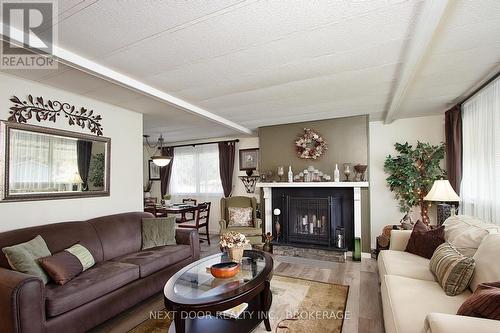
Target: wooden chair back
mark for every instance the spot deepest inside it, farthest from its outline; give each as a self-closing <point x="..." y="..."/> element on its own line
<point x="203" y="214"/>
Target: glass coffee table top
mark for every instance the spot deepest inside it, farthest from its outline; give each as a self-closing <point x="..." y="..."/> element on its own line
<point x="198" y="283"/>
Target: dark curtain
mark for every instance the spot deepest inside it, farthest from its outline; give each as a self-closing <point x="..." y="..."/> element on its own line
<point x="84" y="154"/>
<point x="226" y="165"/>
<point x="166" y="171"/>
<point x="453" y="134"/>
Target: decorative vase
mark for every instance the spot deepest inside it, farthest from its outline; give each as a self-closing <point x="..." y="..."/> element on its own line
<point x="267" y="247"/>
<point x="236" y="253"/>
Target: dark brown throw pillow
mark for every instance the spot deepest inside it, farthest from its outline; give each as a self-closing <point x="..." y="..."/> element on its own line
<point x="423" y="240"/>
<point x="65" y="265"/>
<point x="483" y="303"/>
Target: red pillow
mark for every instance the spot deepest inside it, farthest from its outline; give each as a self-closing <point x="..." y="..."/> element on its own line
<point x="423" y="240"/>
<point x="483" y="303"/>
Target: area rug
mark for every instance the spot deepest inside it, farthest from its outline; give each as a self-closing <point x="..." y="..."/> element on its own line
<point x="298" y="306"/>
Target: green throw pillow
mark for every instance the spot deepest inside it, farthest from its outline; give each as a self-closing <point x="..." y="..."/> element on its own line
<point x="158" y="232"/>
<point x="24" y="257"/>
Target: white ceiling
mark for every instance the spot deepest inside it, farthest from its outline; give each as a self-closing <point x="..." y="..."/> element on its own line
<point x="259" y="63"/>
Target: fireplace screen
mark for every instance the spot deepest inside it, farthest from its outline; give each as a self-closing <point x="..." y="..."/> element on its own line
<point x="309" y="220"/>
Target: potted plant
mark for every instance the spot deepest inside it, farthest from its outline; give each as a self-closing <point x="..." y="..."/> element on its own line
<point x="412" y="173"/>
<point x="234" y="243"/>
<point x="167" y="199"/>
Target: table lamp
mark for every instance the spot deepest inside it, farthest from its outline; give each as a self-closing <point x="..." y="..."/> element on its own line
<point x="442" y="192"/>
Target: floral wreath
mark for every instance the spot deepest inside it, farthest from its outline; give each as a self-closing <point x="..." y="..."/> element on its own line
<point x="310" y="145"/>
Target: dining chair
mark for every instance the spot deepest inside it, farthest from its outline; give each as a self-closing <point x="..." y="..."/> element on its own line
<point x="153" y="210"/>
<point x="201" y="221"/>
<point x="187" y="216"/>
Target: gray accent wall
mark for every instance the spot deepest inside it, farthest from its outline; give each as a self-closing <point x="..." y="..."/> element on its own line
<point x="347" y="140"/>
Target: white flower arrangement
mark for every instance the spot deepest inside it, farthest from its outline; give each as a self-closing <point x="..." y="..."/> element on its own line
<point x="310" y="145"/>
<point x="233" y="239"/>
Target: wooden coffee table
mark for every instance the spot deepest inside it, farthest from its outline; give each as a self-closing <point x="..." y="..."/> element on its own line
<point x="197" y="298"/>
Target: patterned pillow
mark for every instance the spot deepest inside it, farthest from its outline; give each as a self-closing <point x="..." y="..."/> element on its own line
<point x="65" y="265"/>
<point x="240" y="217"/>
<point x="452" y="269"/>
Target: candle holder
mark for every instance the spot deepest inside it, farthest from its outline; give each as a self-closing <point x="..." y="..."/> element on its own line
<point x="347" y="171"/>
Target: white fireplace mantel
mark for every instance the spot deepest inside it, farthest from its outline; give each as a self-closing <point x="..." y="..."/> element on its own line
<point x="268" y="198"/>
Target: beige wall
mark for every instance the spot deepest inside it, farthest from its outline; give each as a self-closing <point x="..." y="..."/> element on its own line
<point x="384" y="208"/>
<point x="124" y="127"/>
<point x="238" y="188"/>
<point x="347" y="140"/>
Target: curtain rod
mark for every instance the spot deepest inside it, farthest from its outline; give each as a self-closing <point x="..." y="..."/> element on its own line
<point x="201" y="143"/>
<point x="493" y="78"/>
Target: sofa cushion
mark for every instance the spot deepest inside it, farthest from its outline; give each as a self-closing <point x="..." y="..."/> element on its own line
<point x="404" y="264"/>
<point x="158" y="232"/>
<point x="58" y="236"/>
<point x="247" y="231"/>
<point x="240" y="217"/>
<point x="97" y="281"/>
<point x="406" y="302"/>
<point x="65" y="265"/>
<point x="423" y="241"/>
<point x="24" y="257"/>
<point x="120" y="234"/>
<point x="452" y="269"/>
<point x="466" y="232"/>
<point x="155" y="259"/>
<point x="484" y="302"/>
<point x="487" y="262"/>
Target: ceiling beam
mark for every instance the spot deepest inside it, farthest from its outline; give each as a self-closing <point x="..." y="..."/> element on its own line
<point x="427" y="24"/>
<point x="91" y="67"/>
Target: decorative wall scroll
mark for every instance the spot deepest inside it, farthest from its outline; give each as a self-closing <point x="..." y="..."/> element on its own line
<point x="310" y="145"/>
<point x="49" y="110"/>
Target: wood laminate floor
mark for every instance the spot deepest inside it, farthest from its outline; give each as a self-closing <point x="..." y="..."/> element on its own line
<point x="364" y="306"/>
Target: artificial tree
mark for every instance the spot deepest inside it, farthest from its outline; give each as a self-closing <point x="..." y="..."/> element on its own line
<point x="412" y="173"/>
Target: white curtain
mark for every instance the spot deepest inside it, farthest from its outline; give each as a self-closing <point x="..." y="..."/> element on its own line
<point x="41" y="163"/>
<point x="480" y="188"/>
<point x="195" y="171"/>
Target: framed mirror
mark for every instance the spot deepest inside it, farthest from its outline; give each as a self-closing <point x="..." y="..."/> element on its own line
<point x="42" y="163"/>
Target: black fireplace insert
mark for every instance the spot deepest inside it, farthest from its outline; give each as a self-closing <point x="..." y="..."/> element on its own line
<point x="314" y="218"/>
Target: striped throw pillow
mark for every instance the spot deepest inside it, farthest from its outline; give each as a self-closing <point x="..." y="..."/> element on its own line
<point x="452" y="269"/>
<point x="484" y="302"/>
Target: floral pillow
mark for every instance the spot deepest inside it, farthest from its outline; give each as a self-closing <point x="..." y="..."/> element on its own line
<point x="240" y="217"/>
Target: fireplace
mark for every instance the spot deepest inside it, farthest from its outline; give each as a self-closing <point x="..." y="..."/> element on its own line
<point x="315" y="217"/>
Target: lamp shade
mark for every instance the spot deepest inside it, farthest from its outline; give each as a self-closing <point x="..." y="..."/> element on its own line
<point x="76" y="179"/>
<point x="442" y="191"/>
<point x="161" y="161"/>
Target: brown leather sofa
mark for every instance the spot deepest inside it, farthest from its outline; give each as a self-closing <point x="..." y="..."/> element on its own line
<point x="123" y="275"/>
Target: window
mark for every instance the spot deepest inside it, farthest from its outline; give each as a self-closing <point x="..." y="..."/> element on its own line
<point x="195" y="170"/>
<point x="480" y="189"/>
<point x="41" y="163"/>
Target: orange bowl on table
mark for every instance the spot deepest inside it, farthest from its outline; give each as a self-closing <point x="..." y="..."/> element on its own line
<point x="225" y="270"/>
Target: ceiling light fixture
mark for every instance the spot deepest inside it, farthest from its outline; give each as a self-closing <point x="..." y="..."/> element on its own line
<point x="159" y="160"/>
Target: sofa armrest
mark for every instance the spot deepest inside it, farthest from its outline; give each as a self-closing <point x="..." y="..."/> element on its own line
<point x="446" y="323"/>
<point x="189" y="237"/>
<point x="399" y="239"/>
<point x="22" y="304"/>
<point x="222" y="224"/>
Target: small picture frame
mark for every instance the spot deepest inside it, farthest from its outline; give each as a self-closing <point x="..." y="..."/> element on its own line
<point x="249" y="159"/>
<point x="154" y="171"/>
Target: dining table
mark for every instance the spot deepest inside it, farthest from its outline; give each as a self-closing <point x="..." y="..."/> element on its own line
<point x="178" y="209"/>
